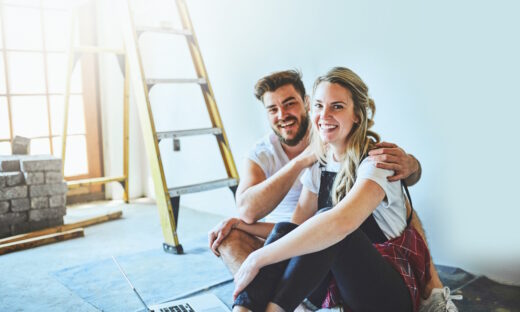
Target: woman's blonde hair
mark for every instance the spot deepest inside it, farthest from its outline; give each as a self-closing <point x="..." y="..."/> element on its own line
<point x="360" y="139"/>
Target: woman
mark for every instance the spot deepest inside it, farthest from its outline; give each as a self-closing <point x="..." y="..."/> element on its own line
<point x="363" y="240"/>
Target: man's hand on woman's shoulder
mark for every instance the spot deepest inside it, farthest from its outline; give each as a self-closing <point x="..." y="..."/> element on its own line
<point x="306" y="158"/>
<point x="392" y="157"/>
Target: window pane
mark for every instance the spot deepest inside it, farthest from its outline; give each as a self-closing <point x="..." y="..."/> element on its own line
<point x="40" y="147"/>
<point x="22" y="28"/>
<point x="76" y="162"/>
<point x="76" y="121"/>
<point x="58" y="4"/>
<point x="57" y="63"/>
<point x="56" y="143"/>
<point x="2" y="75"/>
<point x="4" y="119"/>
<point x="1" y="41"/>
<point x="23" y="2"/>
<point x="56" y="29"/>
<point x="29" y="116"/>
<point x="5" y="148"/>
<point x="156" y="13"/>
<point x="26" y="72"/>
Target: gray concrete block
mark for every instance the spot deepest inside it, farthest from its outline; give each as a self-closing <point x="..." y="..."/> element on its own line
<point x="4" y="207"/>
<point x="53" y="177"/>
<point x="46" y="214"/>
<point x="13" y="192"/>
<point x="58" y="200"/>
<point x="44" y="224"/>
<point x="20" y="228"/>
<point x="3" y="179"/>
<point x="48" y="189"/>
<point x="5" y="231"/>
<point x="32" y="178"/>
<point x="20" y="145"/>
<point x="38" y="225"/>
<point x="9" y="163"/>
<point x="55" y="222"/>
<point x="13" y="178"/>
<point x="7" y="219"/>
<point x="20" y="204"/>
<point x="39" y="202"/>
<point x="41" y="163"/>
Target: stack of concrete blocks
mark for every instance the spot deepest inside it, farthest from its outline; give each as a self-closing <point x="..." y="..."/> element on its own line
<point x="32" y="193"/>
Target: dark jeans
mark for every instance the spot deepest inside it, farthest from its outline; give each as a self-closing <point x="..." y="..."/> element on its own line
<point x="366" y="281"/>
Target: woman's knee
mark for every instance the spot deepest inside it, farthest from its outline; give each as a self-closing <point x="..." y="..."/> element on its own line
<point x="279" y="230"/>
<point x="284" y="227"/>
<point x="323" y="210"/>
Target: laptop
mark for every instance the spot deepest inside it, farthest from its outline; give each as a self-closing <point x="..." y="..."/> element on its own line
<point x="200" y="303"/>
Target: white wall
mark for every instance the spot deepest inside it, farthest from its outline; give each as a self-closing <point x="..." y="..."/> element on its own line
<point x="443" y="75"/>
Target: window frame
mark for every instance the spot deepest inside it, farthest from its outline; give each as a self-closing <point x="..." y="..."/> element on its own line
<point x="89" y="77"/>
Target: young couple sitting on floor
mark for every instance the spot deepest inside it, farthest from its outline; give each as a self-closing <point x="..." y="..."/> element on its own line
<point x="352" y="239"/>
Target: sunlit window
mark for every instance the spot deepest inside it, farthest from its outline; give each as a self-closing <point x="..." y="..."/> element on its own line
<point x="33" y="42"/>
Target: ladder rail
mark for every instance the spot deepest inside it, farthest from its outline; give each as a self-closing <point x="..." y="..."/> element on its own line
<point x="207" y="90"/>
<point x="168" y="222"/>
<point x="168" y="199"/>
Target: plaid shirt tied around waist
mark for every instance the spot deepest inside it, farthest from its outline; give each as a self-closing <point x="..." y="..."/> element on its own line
<point x="409" y="255"/>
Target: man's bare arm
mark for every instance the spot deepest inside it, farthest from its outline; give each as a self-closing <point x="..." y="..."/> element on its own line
<point x="259" y="229"/>
<point x="306" y="208"/>
<point x="217" y="235"/>
<point x="257" y="196"/>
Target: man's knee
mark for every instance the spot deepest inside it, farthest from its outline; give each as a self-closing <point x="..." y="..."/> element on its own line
<point x="234" y="237"/>
<point x="237" y="239"/>
<point x="236" y="247"/>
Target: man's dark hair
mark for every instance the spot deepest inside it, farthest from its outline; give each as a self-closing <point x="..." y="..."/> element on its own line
<point x="276" y="80"/>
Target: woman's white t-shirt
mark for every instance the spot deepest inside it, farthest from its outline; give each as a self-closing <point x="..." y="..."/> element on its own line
<point x="390" y="214"/>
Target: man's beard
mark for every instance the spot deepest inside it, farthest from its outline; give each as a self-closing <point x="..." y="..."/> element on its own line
<point x="302" y="130"/>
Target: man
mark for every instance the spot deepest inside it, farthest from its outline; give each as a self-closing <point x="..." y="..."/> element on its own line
<point x="270" y="186"/>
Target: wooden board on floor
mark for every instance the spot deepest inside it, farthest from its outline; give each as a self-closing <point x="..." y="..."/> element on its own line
<point x="41" y="240"/>
<point x="63" y="228"/>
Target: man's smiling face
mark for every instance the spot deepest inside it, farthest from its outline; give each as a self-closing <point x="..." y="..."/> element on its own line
<point x="287" y="114"/>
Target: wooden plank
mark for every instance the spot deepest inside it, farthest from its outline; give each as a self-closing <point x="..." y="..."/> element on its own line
<point x="63" y="228"/>
<point x="93" y="181"/>
<point x="40" y="241"/>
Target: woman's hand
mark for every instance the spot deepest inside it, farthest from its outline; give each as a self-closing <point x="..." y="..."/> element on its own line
<point x="247" y="272"/>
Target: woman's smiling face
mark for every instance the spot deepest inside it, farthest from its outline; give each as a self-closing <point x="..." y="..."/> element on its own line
<point x="333" y="114"/>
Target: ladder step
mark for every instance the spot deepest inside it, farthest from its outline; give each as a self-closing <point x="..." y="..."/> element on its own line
<point x="190" y="132"/>
<point x="193" y="188"/>
<point x="166" y="30"/>
<point x="95" y="49"/>
<point x="200" y="81"/>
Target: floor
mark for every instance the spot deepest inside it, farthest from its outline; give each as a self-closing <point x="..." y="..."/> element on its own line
<point x="25" y="275"/>
<point x="26" y="280"/>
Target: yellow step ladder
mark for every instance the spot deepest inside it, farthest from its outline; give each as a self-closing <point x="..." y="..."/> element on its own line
<point x="168" y="198"/>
